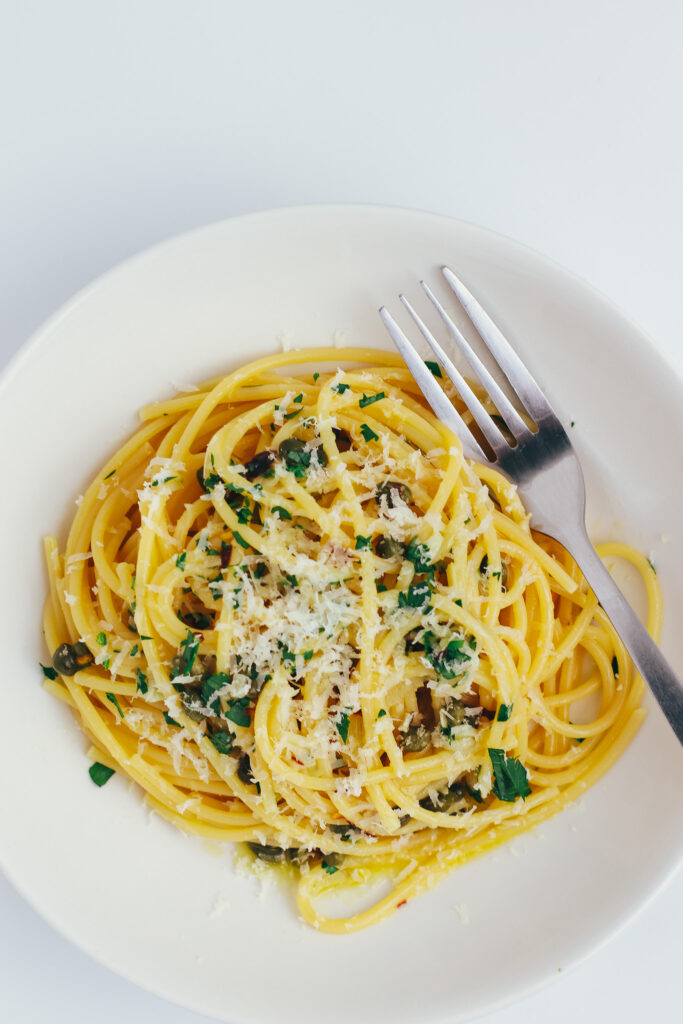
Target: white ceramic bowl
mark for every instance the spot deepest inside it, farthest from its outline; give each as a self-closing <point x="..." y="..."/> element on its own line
<point x="140" y="896"/>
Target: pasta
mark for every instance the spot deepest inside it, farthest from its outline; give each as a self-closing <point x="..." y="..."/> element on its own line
<point x="296" y="616"/>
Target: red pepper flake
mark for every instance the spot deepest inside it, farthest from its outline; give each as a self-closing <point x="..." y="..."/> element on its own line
<point x="401" y="904"/>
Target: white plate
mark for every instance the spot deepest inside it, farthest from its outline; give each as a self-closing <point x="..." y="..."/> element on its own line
<point x="137" y="894"/>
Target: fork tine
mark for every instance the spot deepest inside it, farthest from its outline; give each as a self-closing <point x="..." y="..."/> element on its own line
<point x="512" y="366"/>
<point x="436" y="397"/>
<point x="482" y="418"/>
<point x="514" y="421"/>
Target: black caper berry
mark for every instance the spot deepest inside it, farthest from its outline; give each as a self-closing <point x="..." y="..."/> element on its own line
<point x="260" y="464"/>
<point x="320" y="455"/>
<point x="416" y="738"/>
<point x="344" y="829"/>
<point x="393" y="489"/>
<point x="342" y="438"/>
<point x="71" y="658"/>
<point x="387" y="547"/>
<point x="411" y="641"/>
<point x="244" y="772"/>
<point x="272" y="854"/>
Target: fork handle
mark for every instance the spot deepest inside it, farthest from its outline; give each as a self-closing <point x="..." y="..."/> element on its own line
<point x="648" y="659"/>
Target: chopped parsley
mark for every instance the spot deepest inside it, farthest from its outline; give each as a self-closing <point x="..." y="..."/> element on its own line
<point x="240" y="539"/>
<point x="308" y="655"/>
<point x="368" y="433"/>
<point x="299" y="398"/>
<point x="48" y="671"/>
<point x="315" y="377"/>
<point x="211" y="481"/>
<point x="370" y="399"/>
<point x="282" y="512"/>
<point x="446" y="661"/>
<point x="222" y="741"/>
<point x="237" y="712"/>
<point x="343" y="726"/>
<point x="419" y="555"/>
<point x="381" y="713"/>
<point x="133" y="650"/>
<point x="510" y="777"/>
<point x="504" y="712"/>
<point x="101" y="639"/>
<point x="340" y="388"/>
<point x="381" y="587"/>
<point x="180" y="560"/>
<point x="650" y="563"/>
<point x="615" y="666"/>
<point x="434" y="367"/>
<point x="106" y="663"/>
<point x="110" y="474"/>
<point x="99" y="773"/>
<point x="171" y="721"/>
<point x="111" y="697"/>
<point x="142" y="686"/>
<point x="362" y="542"/>
<point x="260" y="570"/>
<point x="329" y="868"/>
<point x="416" y="596"/>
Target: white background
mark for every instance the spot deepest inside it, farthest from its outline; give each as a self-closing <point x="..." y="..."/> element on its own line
<point x="557" y="122"/>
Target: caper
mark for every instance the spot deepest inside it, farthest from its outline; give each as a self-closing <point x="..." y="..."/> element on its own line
<point x="260" y="464"/>
<point x="320" y="455"/>
<point x="290" y="446"/>
<point x="447" y="801"/>
<point x="71" y="658"/>
<point x="333" y="860"/>
<point x="244" y="772"/>
<point x="393" y="490"/>
<point x="301" y="856"/>
<point x="342" y="439"/>
<point x="387" y="547"/>
<point x="344" y="829"/>
<point x="271" y="854"/>
<point x="415" y="738"/>
<point x="192" y="706"/>
<point x="452" y="713"/>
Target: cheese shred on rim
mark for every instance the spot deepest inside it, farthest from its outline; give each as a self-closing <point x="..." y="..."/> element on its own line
<point x="296" y="616"/>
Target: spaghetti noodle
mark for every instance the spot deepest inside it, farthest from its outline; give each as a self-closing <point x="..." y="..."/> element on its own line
<point x="294" y="614"/>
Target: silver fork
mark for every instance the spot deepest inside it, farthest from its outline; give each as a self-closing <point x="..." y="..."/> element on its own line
<point x="541" y="462"/>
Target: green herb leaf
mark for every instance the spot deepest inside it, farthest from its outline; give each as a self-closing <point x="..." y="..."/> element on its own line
<point x="447" y="660"/>
<point x="419" y="555"/>
<point x="329" y="868"/>
<point x="510" y="776"/>
<point x="48" y="671"/>
<point x="368" y="433"/>
<point x="362" y="542"/>
<point x="240" y="539"/>
<point x="343" y="726"/>
<point x="260" y="570"/>
<point x="211" y="481"/>
<point x="308" y="655"/>
<point x="651" y="564"/>
<point x="237" y="712"/>
<point x="222" y="741"/>
<point x="381" y="587"/>
<point x="180" y="560"/>
<point x="106" y="663"/>
<point x="282" y="512"/>
<point x="134" y="650"/>
<point x="315" y="377"/>
<point x="434" y="367"/>
<point x="416" y="596"/>
<point x="101" y="639"/>
<point x="111" y="697"/>
<point x="504" y="712"/>
<point x="188" y="650"/>
<point x="99" y="773"/>
<point x="299" y="398"/>
<point x="340" y="388"/>
<point x="110" y="474"/>
<point x="171" y="721"/>
<point x="370" y="399"/>
<point x="381" y="713"/>
<point x="142" y="686"/>
<point x="615" y="666"/>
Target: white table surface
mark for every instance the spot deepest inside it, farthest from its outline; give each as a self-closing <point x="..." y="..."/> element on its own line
<point x="558" y="123"/>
